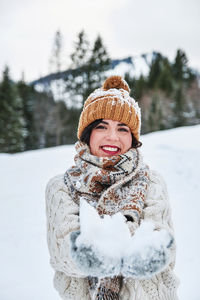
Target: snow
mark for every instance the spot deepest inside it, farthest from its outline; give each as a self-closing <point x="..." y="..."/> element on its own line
<point x="139" y="256"/>
<point x="145" y="235"/>
<point x="107" y="241"/>
<point x="102" y="233"/>
<point x="139" y="66"/>
<point x="121" y="69"/>
<point x="25" y="269"/>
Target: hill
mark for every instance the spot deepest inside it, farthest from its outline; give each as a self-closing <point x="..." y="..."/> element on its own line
<point x="24" y="260"/>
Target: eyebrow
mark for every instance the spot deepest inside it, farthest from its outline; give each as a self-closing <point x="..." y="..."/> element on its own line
<point x="120" y="124"/>
<point x="104" y="122"/>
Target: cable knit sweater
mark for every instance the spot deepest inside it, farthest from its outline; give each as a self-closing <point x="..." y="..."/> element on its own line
<point x="63" y="218"/>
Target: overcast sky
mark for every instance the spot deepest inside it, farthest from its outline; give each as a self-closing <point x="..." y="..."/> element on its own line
<point x="128" y="27"/>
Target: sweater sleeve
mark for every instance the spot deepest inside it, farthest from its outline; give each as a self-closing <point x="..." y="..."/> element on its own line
<point x="62" y="218"/>
<point x="157" y="207"/>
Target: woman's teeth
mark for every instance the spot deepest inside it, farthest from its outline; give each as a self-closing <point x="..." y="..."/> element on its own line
<point x="112" y="149"/>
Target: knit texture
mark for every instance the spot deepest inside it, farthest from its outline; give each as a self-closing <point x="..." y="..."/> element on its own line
<point x="124" y="178"/>
<point x="62" y="219"/>
<point x="100" y="178"/>
<point x="111" y="101"/>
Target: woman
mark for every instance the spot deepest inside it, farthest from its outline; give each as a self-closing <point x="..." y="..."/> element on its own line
<point x="110" y="175"/>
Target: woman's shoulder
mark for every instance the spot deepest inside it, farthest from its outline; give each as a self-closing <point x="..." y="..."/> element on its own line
<point x="157" y="184"/>
<point x="57" y="195"/>
<point x="55" y="184"/>
<point x="156" y="177"/>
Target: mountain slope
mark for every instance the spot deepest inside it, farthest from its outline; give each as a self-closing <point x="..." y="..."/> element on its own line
<point x="24" y="260"/>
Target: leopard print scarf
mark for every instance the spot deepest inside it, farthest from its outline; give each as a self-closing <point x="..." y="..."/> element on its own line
<point x="110" y="184"/>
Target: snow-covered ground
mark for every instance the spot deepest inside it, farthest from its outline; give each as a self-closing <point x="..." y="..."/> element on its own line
<point x="24" y="261"/>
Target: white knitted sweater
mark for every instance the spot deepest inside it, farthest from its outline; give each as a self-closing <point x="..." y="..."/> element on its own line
<point x="63" y="218"/>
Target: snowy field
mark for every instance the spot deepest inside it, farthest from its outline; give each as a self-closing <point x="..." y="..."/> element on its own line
<point x="24" y="260"/>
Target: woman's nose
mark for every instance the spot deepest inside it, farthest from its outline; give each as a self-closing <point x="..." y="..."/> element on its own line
<point x="113" y="135"/>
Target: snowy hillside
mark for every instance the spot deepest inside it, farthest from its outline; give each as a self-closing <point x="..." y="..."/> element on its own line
<point x="25" y="270"/>
<point x="135" y="66"/>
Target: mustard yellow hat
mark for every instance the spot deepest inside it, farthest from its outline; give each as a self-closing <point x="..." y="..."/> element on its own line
<point x="112" y="101"/>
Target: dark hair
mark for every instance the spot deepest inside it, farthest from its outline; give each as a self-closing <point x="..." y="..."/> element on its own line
<point x="85" y="136"/>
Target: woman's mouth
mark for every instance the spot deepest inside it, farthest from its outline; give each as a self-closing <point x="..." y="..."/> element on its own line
<point x="110" y="150"/>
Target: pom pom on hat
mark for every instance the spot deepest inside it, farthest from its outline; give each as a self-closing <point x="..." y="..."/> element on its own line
<point x="115" y="82"/>
<point x="113" y="102"/>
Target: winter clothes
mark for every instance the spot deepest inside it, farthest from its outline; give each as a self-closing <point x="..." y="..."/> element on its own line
<point x="96" y="174"/>
<point x="111" y="101"/>
<point x="123" y="183"/>
<point x="124" y="177"/>
<point x="92" y="262"/>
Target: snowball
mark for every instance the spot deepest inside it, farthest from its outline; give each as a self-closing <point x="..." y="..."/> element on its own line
<point x="111" y="235"/>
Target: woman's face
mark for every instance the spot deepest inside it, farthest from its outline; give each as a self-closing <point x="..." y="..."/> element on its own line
<point x="110" y="138"/>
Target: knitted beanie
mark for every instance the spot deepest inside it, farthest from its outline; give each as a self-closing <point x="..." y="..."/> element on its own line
<point x="112" y="101"/>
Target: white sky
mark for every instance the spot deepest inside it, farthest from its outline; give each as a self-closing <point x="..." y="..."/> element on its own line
<point x="128" y="27"/>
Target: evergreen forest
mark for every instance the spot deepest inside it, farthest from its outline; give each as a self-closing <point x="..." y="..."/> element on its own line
<point x="33" y="118"/>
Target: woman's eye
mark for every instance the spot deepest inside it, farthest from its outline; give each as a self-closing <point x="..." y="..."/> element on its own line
<point x="123" y="129"/>
<point x="100" y="127"/>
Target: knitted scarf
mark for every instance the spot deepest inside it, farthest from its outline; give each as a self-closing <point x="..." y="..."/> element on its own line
<point x="110" y="184"/>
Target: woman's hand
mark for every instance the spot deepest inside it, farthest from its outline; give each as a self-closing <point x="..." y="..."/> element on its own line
<point x="104" y="246"/>
<point x="91" y="262"/>
<point x="142" y="263"/>
<point x="139" y="266"/>
<point x="150" y="255"/>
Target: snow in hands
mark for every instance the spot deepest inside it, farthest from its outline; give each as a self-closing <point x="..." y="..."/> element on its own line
<point x="104" y="246"/>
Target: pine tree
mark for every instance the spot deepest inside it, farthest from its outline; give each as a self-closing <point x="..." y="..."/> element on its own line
<point x="155" y="119"/>
<point x="28" y="95"/>
<point x="56" y="56"/>
<point x="140" y="87"/>
<point x="44" y="105"/>
<point x="89" y="66"/>
<point x="155" y="70"/>
<point x="180" y="65"/>
<point x="11" y="117"/>
<point x="77" y="82"/>
<point x="183" y="76"/>
<point x="179" y="107"/>
<point x="160" y="74"/>
<point x="165" y="78"/>
<point x="98" y="64"/>
<point x="181" y="71"/>
<point x="80" y="55"/>
<point x="56" y="65"/>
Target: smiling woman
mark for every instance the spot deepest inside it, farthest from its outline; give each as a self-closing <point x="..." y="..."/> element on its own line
<point x="85" y="136"/>
<point x="110" y="138"/>
<point x="109" y="174"/>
